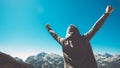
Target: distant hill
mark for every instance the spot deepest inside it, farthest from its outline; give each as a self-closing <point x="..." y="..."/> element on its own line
<point x="6" y="61"/>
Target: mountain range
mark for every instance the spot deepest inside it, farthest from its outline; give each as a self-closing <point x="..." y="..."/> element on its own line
<point x="46" y="60"/>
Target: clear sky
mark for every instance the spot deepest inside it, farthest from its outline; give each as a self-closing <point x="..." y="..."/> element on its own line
<point x="22" y="25"/>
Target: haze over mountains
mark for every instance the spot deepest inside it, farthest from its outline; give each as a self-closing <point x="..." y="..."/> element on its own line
<point x="45" y="60"/>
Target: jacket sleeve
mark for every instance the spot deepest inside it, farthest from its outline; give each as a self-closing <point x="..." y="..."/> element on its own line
<point x="55" y="36"/>
<point x="96" y="26"/>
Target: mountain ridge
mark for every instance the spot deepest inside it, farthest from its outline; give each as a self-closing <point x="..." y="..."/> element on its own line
<point x="50" y="60"/>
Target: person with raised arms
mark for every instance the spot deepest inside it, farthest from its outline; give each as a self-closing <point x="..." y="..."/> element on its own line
<point x="76" y="48"/>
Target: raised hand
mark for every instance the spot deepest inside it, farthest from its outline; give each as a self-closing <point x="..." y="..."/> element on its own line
<point x="47" y="26"/>
<point x="109" y="9"/>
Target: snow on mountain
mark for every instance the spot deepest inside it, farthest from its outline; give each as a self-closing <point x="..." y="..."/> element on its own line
<point x="107" y="60"/>
<point x="44" y="60"/>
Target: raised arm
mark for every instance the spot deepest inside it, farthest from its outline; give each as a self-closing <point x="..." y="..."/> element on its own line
<point x="54" y="35"/>
<point x="98" y="23"/>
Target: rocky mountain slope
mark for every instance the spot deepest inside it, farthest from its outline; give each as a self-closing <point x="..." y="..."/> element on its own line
<point x="6" y="61"/>
<point x="44" y="60"/>
<point x="108" y="61"/>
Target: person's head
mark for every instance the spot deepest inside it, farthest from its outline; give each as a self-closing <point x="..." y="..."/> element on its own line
<point x="72" y="31"/>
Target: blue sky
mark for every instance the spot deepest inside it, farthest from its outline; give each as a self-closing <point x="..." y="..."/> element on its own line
<point x="22" y="25"/>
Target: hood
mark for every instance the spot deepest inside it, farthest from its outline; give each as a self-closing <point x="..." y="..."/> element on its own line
<point x="72" y="32"/>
